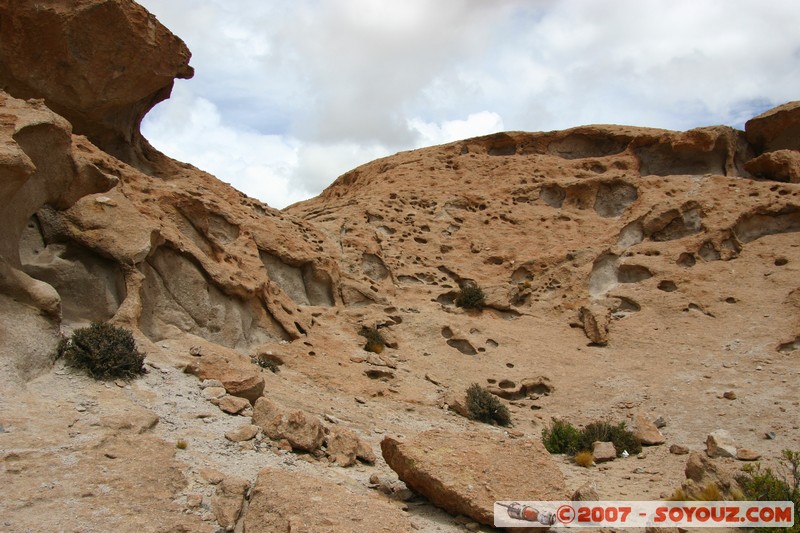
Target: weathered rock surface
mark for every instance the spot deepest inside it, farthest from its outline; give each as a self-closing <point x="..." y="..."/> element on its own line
<point x="237" y="374"/>
<point x="303" y="431"/>
<point x="344" y="446"/>
<point x="281" y="501"/>
<point x="465" y="473"/>
<point x="701" y="471"/>
<point x="228" y="501"/>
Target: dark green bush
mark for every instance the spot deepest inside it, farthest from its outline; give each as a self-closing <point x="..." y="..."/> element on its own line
<point x="561" y="437"/>
<point x="375" y="341"/>
<point x="484" y="406"/>
<point x="104" y="351"/>
<point x="470" y="297"/>
<point x="605" y="431"/>
<point x="762" y="484"/>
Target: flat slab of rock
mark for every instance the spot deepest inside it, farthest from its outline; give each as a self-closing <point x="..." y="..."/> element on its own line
<point x="284" y="500"/>
<point x="465" y="473"/>
<point x="246" y="432"/>
<point x="746" y="454"/>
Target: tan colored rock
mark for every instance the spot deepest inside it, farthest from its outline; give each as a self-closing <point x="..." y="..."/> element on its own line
<point x="236" y="373"/>
<point x="302" y="430"/>
<point x="214" y="393"/>
<point x="775" y="129"/>
<point x="293" y="501"/>
<point x="243" y="433"/>
<point x="780" y="165"/>
<point x="136" y="419"/>
<point x="646" y="432"/>
<point x="465" y="473"/>
<point x="719" y="443"/>
<point x="595" y="320"/>
<point x="345" y="446"/>
<point x="228" y="501"/>
<point x="232" y="405"/>
<point x="700" y="471"/>
<point x="746" y="454"/>
<point x="586" y="493"/>
<point x="603" y="451"/>
<point x="678" y="449"/>
<point x="94" y="82"/>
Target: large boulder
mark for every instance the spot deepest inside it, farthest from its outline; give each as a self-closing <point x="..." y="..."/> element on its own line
<point x="102" y="64"/>
<point x="465" y="473"/>
<point x="284" y="500"/>
<point x="775" y="129"/>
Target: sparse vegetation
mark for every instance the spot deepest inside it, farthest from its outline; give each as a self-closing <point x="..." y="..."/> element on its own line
<point x="484" y="406"/>
<point x="104" y="351"/>
<point x="584" y="459"/>
<point x="563" y="437"/>
<point x="375" y="341"/>
<point x="470" y="297"/>
<point x="763" y="484"/>
<point x="182" y="444"/>
<point x="622" y="439"/>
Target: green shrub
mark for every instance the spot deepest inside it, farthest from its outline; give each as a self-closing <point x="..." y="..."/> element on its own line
<point x="484" y="406"/>
<point x="762" y="484"/>
<point x="265" y="362"/>
<point x="470" y="297"/>
<point x="622" y="439"/>
<point x="375" y="341"/>
<point x="561" y="437"/>
<point x="104" y="351"/>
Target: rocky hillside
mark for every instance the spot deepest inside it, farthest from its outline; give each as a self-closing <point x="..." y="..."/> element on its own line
<point x="630" y="274"/>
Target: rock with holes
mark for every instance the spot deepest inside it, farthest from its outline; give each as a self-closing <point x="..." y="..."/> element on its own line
<point x="285" y="500"/>
<point x="595" y="320"/>
<point x="465" y="473"/>
<point x="303" y="431"/>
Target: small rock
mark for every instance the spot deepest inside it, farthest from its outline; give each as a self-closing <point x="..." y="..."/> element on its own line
<point x="659" y="422"/>
<point x="603" y="451"/>
<point x="360" y="400"/>
<point x="746" y="454"/>
<point x="720" y="444"/>
<point x="214" y="393"/>
<point x="646" y="431"/>
<point x="678" y="449"/>
<point x="233" y="404"/>
<point x="80" y="408"/>
<point x="586" y="493"/>
<point x="375" y="479"/>
<point x="243" y="433"/>
<point x="211" y="475"/>
<point x="193" y="501"/>
<point x="206" y="383"/>
<point x="770" y="435"/>
<point x="729" y="395"/>
<point x="196" y="351"/>
<point x="330" y="418"/>
<point x="472" y="526"/>
<point x="119" y="383"/>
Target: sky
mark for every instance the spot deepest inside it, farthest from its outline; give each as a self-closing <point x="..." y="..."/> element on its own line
<point x="290" y="94"/>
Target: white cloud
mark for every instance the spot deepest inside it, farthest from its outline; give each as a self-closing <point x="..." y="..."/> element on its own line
<point x="299" y="91"/>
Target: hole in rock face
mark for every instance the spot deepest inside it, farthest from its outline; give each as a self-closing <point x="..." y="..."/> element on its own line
<point x="553" y="195"/>
<point x="731" y="300"/>
<point x="506" y="384"/>
<point x="383" y="375"/>
<point x="614" y="198"/>
<point x="463" y="346"/>
<point x="687" y="260"/>
<point x="667" y="286"/>
<point x="633" y="273"/>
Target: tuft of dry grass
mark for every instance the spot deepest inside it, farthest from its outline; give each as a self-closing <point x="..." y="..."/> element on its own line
<point x="584" y="459"/>
<point x="182" y="444"/>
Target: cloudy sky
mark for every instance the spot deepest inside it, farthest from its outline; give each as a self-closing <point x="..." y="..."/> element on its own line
<point x="289" y="94"/>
